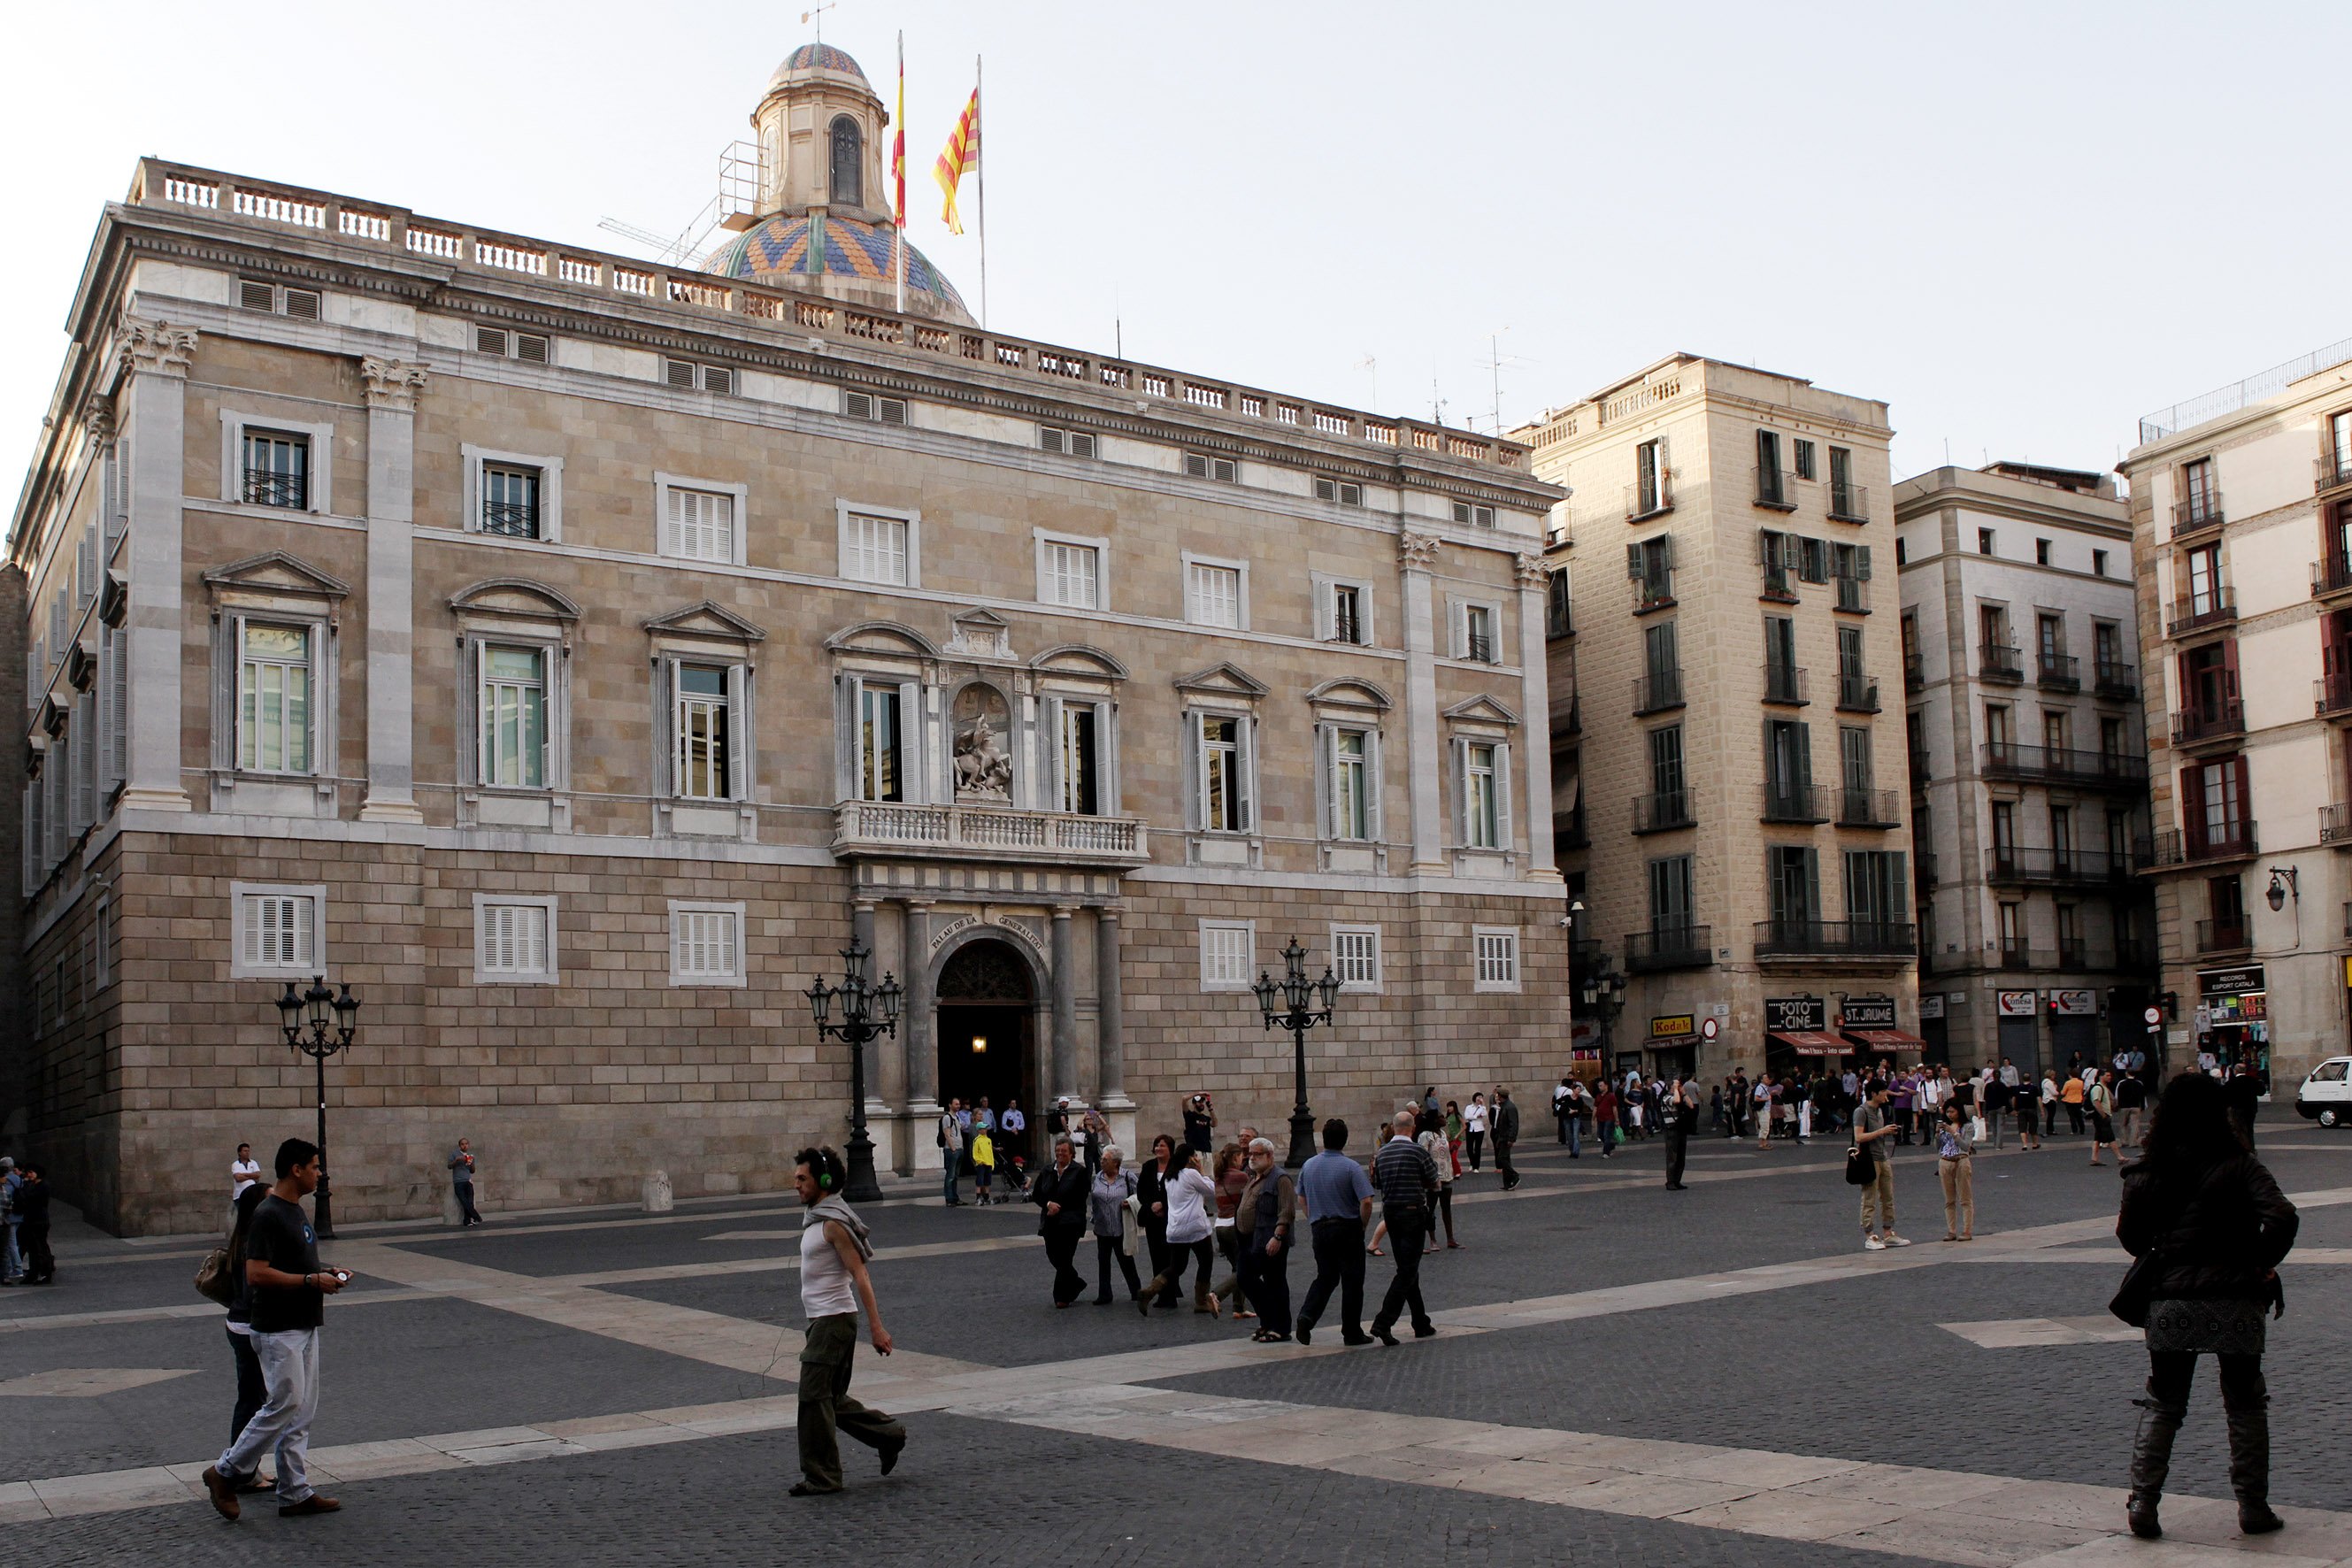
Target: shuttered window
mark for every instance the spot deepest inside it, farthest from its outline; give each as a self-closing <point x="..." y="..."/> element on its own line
<point x="514" y="939"/>
<point x="701" y="525"/>
<point x="706" y="945"/>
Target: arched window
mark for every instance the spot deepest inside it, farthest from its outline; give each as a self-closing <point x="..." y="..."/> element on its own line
<point x="848" y="175"/>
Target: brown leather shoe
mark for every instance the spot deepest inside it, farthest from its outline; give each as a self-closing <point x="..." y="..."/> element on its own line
<point x="221" y="1491"/>
<point x="315" y="1503"/>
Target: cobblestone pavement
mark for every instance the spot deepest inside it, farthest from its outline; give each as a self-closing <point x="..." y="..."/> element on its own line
<point x="1090" y="1436"/>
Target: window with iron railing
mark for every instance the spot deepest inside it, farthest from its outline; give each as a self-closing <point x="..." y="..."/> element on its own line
<point x="511" y="500"/>
<point x="277" y="470"/>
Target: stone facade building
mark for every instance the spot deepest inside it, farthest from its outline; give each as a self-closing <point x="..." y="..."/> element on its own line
<point x="1750" y="876"/>
<point x="2242" y="501"/>
<point x="2029" y="773"/>
<point x="575" y="654"/>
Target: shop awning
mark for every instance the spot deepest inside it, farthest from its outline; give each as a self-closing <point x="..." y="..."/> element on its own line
<point x="1812" y="1043"/>
<point x="1886" y="1040"/>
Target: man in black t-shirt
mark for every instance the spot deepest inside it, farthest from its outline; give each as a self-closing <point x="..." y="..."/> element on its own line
<point x="289" y="1291"/>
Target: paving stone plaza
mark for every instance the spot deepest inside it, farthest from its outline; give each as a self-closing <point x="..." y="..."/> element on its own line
<point x="1622" y="1375"/>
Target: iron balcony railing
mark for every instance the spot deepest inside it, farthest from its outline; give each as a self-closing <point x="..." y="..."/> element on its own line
<point x="1791" y="803"/>
<point x="2013" y="957"/>
<point x="1836" y="938"/>
<point x="2120" y="682"/>
<point x="1656" y="693"/>
<point x="2224" y="841"/>
<point x="265" y="487"/>
<point x="1869" y="808"/>
<point x="2058" y="672"/>
<point x="2331" y="574"/>
<point x="2065" y="764"/>
<point x="1849" y="503"/>
<point x="1649" y="499"/>
<point x="1776" y="489"/>
<point x="2336" y="824"/>
<point x="2227" y="717"/>
<point x="1479" y="647"/>
<point x="2331" y="694"/>
<point x="2195" y="514"/>
<point x="1784" y="684"/>
<point x="1652" y="592"/>
<point x="2332" y="472"/>
<point x="1669" y="947"/>
<point x="2223" y="936"/>
<point x="1660" y="811"/>
<point x="1999" y="661"/>
<point x="2074" y="953"/>
<point x="1857" y="694"/>
<point x="2217" y="608"/>
<point x="2010" y="863"/>
<point x="1348" y="627"/>
<point x="1779" y="583"/>
<point x="515" y="519"/>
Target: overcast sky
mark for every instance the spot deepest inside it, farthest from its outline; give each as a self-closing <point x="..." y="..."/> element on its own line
<point x="2022" y="226"/>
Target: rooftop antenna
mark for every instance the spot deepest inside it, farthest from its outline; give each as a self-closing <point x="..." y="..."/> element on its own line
<point x="1370" y="366"/>
<point x="817" y="13"/>
<point x="1436" y="403"/>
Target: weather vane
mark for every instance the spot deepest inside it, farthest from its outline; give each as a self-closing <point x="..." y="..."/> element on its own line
<point x="817" y="13"/>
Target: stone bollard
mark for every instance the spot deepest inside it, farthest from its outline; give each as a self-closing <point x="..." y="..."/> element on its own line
<point x="657" y="1196"/>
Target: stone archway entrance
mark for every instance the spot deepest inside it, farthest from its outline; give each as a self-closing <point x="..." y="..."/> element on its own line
<point x="987" y="1031"/>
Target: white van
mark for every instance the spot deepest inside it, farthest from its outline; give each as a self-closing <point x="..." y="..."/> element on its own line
<point x="2325" y="1096"/>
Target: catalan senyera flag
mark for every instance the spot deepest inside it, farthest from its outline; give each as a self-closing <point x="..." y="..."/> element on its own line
<point x="961" y="152"/>
<point x="898" y="142"/>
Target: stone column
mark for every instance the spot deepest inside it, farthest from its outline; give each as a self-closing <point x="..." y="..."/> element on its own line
<point x="1065" y="1005"/>
<point x="1110" y="1029"/>
<point x="1535" y="730"/>
<point x="152" y="408"/>
<point x="392" y="389"/>
<point x="1425" y="756"/>
<point x="922" y="1013"/>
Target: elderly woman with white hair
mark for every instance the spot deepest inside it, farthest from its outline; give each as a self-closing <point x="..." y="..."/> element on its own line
<point x="1114" y="1189"/>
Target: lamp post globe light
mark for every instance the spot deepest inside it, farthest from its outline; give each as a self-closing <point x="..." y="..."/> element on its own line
<point x="1604" y="994"/>
<point x="1289" y="1002"/>
<point x="304" y="1018"/>
<point x="866" y="1011"/>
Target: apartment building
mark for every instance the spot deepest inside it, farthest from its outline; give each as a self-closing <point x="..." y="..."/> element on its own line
<point x="2029" y="769"/>
<point x="2242" y="501"/>
<point x="1734" y="759"/>
<point x="575" y="655"/>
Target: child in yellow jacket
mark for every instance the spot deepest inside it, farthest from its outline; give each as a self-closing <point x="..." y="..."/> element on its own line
<point x="983" y="1164"/>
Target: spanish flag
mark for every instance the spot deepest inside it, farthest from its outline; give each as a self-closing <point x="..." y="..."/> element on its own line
<point x="961" y="152"/>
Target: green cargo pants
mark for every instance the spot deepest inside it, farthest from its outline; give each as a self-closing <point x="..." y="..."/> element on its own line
<point x="826" y="1409"/>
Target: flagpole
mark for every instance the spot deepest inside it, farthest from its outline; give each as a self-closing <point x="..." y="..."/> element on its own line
<point x="899" y="182"/>
<point x="982" y="190"/>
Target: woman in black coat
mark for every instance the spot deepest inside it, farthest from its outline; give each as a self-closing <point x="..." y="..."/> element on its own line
<point x="2211" y="1225"/>
<point x="1151" y="1191"/>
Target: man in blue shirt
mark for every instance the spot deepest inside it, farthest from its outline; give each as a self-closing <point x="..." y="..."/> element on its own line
<point x="1338" y="1199"/>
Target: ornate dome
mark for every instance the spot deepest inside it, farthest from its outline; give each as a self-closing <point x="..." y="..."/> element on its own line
<point x="819" y="58"/>
<point x="785" y="250"/>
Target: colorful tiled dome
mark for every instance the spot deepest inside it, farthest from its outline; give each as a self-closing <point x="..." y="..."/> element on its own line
<point x="817" y="57"/>
<point x="781" y="249"/>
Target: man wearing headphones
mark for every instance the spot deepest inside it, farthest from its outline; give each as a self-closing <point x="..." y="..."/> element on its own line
<point x="833" y="1286"/>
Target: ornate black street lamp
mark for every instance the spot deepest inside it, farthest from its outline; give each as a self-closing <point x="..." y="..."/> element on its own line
<point x="1287" y="1003"/>
<point x="866" y="1011"/>
<point x="1604" y="994"/>
<point x="304" y="1018"/>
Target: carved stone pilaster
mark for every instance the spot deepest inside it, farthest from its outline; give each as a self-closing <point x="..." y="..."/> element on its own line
<point x="391" y="383"/>
<point x="1530" y="570"/>
<point x="154" y="348"/>
<point x="1417" y="552"/>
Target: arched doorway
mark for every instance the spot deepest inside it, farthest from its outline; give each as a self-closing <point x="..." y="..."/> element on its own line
<point x="986" y="1030"/>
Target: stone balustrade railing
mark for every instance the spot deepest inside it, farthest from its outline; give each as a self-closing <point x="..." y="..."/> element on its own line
<point x="865" y="826"/>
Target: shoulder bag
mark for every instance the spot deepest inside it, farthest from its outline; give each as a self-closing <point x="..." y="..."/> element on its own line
<point x="215" y="1282"/>
<point x="1861" y="1167"/>
<point x="2136" y="1292"/>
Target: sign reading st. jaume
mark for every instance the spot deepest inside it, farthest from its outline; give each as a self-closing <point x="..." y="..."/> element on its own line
<point x="1867" y="1013"/>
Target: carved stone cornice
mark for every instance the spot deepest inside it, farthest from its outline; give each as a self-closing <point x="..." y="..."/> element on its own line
<point x="1417" y="552"/>
<point x="1530" y="570"/>
<point x="97" y="420"/>
<point x="391" y="383"/>
<point x="154" y="348"/>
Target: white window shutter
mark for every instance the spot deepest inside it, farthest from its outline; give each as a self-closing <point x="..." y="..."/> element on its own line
<point x="1461" y="791"/>
<point x="738" y="732"/>
<point x="1245" y="775"/>
<point x="912" y="789"/>
<point x="1503" y="794"/>
<point x="1327" y="782"/>
<point x="1372" y="790"/>
<point x="1196" y="768"/>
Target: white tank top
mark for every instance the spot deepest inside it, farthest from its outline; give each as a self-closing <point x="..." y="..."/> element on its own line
<point x="825" y="1289"/>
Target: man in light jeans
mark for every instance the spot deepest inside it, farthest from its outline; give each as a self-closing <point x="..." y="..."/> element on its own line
<point x="288" y="1290"/>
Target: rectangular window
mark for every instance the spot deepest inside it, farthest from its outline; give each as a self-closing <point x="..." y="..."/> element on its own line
<point x="1804" y="455"/>
<point x="273" y="717"/>
<point x="2054" y="730"/>
<point x="1080" y="770"/>
<point x="277" y="470"/>
<point x="1069" y="574"/>
<point x="1348" y="614"/>
<point x="1224" y="785"/>
<point x="1845" y="499"/>
<point x="1479" y="784"/>
<point x="1467" y="514"/>
<point x="881" y="773"/>
<point x="280" y="930"/>
<point x="2004" y="830"/>
<point x="514" y="939"/>
<point x="1200" y="466"/>
<point x="1984" y="540"/>
<point x="1497" y="952"/>
<point x="2111" y="737"/>
<point x="1667" y="781"/>
<point x="874" y="549"/>
<point x="1478" y="634"/>
<point x="1351" y="809"/>
<point x="1212" y="595"/>
<point x="1649" y="479"/>
<point x="2098" y="562"/>
<point x="2205" y="580"/>
<point x="511" y="500"/>
<point x="1228" y="954"/>
<point x="701" y="525"/>
<point x="1670" y="902"/>
<point x="2042" y="553"/>
<point x="1356" y="957"/>
<point x="2339" y="444"/>
<point x="1771" y="484"/>
<point x="1070" y="443"/>
<point x="1853" y="758"/>
<point x="2012" y="935"/>
<point x="2201" y="497"/>
<point x="513" y="703"/>
<point x="1793" y="872"/>
<point x="1348" y="493"/>
<point x="706" y="945"/>
<point x="1651" y="565"/>
<point x="703" y="768"/>
<point x="102" y="944"/>
<point x="1560" y="609"/>
<point x="880" y="410"/>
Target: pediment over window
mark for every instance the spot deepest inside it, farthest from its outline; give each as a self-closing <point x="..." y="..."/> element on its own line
<point x="882" y="637"/>
<point x="984" y="634"/>
<point x="1482" y="709"/>
<point x="1348" y="692"/>
<point x="515" y="597"/>
<point x="1221" y="680"/>
<point x="276" y="572"/>
<point x="1077" y="659"/>
<point x="708" y="621"/>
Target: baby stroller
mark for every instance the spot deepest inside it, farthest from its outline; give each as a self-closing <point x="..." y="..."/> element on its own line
<point x="1016" y="1176"/>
